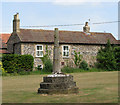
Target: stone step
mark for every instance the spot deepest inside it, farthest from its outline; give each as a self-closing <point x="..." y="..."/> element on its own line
<point x="67" y="85"/>
<point x="58" y="91"/>
<point x="58" y="79"/>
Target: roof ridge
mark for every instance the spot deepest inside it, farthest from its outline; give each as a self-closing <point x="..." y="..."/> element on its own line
<point x="65" y="31"/>
<point x="36" y="29"/>
<point x="101" y="32"/>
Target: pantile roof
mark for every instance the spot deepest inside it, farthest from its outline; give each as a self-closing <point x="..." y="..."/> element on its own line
<point x="78" y="37"/>
<point x="3" y="40"/>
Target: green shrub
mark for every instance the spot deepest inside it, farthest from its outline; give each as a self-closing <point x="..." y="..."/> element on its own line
<point x="48" y="66"/>
<point x="77" y="58"/>
<point x="67" y="69"/>
<point x="84" y="65"/>
<point x="47" y="62"/>
<point x="117" y="57"/>
<point x="2" y="70"/>
<point x="17" y="63"/>
<point x="106" y="58"/>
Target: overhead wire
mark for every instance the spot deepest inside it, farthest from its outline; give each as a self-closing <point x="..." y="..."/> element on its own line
<point x="72" y="24"/>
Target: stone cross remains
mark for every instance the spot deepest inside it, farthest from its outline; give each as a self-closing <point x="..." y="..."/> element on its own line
<point x="56" y="57"/>
<point x="57" y="83"/>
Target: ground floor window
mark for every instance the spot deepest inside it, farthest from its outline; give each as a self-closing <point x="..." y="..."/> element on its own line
<point x="39" y="50"/>
<point x="40" y="67"/>
<point x="65" y="51"/>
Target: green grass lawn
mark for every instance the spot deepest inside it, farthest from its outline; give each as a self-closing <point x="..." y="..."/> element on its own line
<point x="94" y="87"/>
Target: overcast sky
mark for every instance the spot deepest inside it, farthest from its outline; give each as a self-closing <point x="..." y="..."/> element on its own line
<point x="60" y="13"/>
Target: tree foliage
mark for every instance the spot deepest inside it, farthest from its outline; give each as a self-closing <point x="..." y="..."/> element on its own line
<point x="84" y="65"/>
<point x="47" y="63"/>
<point x="117" y="56"/>
<point x="106" y="57"/>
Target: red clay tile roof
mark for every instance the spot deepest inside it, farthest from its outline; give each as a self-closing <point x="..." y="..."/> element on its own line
<point x="5" y="37"/>
<point x="3" y="51"/>
<point x="38" y="35"/>
<point x="3" y="40"/>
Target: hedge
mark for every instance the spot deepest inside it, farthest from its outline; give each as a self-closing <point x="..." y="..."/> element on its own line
<point x="17" y="63"/>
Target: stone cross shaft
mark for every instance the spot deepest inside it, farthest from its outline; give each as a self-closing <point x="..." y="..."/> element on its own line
<point x="56" y="57"/>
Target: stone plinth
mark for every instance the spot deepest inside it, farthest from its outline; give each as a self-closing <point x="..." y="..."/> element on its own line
<point x="58" y="84"/>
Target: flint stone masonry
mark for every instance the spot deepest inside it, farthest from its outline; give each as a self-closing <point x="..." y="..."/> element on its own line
<point x="28" y="48"/>
<point x="11" y="42"/>
<point x="17" y="48"/>
<point x="88" y="52"/>
<point x="58" y="85"/>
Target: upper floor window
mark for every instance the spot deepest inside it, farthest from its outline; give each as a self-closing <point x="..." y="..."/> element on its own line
<point x="39" y="50"/>
<point x="65" y="51"/>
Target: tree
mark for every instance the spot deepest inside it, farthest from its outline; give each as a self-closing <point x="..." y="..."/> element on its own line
<point x="106" y="58"/>
<point x="117" y="56"/>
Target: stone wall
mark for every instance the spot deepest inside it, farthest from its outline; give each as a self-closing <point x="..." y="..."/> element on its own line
<point x="30" y="48"/>
<point x="17" y="48"/>
<point x="11" y="42"/>
<point x="88" y="52"/>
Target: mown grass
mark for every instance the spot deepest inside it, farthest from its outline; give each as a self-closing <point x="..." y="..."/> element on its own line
<point x="95" y="87"/>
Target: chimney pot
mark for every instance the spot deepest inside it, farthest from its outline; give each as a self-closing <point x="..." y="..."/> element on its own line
<point x="86" y="28"/>
<point x="16" y="23"/>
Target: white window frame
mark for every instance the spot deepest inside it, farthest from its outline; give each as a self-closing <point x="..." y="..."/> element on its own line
<point x="65" y="51"/>
<point x="39" y="50"/>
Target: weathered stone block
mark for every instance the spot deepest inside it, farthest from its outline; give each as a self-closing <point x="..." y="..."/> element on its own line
<point x="58" y="91"/>
<point x="58" y="85"/>
<point x="58" y="79"/>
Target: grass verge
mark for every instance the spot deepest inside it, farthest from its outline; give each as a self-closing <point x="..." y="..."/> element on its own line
<point x="95" y="87"/>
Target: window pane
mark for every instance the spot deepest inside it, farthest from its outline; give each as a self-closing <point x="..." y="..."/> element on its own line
<point x="63" y="47"/>
<point x="63" y="53"/>
<point x="41" y="53"/>
<point x="38" y="53"/>
<point x="66" y="47"/>
<point x="67" y="54"/>
<point x="38" y="48"/>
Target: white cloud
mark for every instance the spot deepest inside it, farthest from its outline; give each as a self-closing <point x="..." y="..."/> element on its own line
<point x="78" y="2"/>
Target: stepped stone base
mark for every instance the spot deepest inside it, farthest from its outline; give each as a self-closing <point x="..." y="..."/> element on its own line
<point x="58" y="84"/>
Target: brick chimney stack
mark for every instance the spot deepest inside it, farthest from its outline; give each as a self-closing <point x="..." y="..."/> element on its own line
<point x="86" y="28"/>
<point x="16" y="23"/>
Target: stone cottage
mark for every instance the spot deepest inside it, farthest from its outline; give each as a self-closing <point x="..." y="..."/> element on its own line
<point x="34" y="42"/>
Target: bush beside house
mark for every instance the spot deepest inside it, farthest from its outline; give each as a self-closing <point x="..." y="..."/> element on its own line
<point x="117" y="56"/>
<point x="13" y="63"/>
<point x="108" y="58"/>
